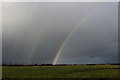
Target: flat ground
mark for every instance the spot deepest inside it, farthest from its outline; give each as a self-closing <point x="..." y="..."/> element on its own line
<point x="78" y="71"/>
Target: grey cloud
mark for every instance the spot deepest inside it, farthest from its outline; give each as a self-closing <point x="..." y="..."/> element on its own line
<point x="41" y="28"/>
<point x="96" y="39"/>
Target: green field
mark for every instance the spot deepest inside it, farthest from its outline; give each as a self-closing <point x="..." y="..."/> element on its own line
<point x="78" y="71"/>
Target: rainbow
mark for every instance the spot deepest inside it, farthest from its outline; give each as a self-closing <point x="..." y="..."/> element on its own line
<point x="34" y="49"/>
<point x="65" y="42"/>
<point x="55" y="60"/>
<point x="58" y="54"/>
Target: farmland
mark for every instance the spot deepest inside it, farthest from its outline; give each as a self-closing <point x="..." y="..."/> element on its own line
<point x="75" y="71"/>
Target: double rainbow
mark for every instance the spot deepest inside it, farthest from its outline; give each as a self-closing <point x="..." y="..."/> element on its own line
<point x="56" y="58"/>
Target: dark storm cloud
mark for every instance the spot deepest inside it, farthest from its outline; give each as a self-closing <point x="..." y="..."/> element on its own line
<point x="96" y="40"/>
<point x="39" y="29"/>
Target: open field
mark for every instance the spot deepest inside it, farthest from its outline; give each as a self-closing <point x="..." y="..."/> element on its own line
<point x="78" y="71"/>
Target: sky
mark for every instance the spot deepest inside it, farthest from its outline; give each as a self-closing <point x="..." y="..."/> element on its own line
<point x="0" y="35"/>
<point x="59" y="0"/>
<point x="78" y="32"/>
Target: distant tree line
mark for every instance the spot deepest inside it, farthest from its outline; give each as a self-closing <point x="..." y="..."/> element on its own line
<point x="53" y="64"/>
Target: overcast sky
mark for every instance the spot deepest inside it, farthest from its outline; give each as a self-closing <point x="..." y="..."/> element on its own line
<point x="33" y="32"/>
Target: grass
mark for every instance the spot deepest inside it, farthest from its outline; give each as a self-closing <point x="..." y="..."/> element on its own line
<point x="78" y="71"/>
